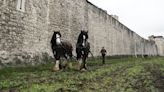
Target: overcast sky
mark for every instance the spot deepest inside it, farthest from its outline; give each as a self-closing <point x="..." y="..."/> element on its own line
<point x="145" y="17"/>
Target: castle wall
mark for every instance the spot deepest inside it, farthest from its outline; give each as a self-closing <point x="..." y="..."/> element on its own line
<point x="106" y="31"/>
<point x="69" y="17"/>
<point x="160" y="46"/>
<point x="21" y="31"/>
<point x="25" y="33"/>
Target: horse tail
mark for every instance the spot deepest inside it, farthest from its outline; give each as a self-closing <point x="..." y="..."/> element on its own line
<point x="89" y="51"/>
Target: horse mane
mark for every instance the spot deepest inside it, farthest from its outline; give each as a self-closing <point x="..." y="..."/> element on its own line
<point x="79" y="38"/>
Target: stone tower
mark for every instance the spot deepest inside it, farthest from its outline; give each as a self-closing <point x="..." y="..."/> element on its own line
<point x="159" y="40"/>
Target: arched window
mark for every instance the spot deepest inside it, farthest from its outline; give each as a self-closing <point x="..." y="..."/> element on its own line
<point x="21" y="5"/>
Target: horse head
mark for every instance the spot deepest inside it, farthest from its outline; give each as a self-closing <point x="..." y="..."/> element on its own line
<point x="82" y="39"/>
<point x="56" y="38"/>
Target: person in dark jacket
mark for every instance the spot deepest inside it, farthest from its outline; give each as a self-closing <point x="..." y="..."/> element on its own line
<point x="103" y="53"/>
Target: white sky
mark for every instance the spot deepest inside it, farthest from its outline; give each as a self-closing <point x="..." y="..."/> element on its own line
<point x="145" y="17"/>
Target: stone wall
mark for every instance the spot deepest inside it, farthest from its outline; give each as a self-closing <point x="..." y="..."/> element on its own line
<point x="25" y="34"/>
<point x="21" y="32"/>
<point x="106" y="31"/>
<point x="159" y="40"/>
<point x="69" y="17"/>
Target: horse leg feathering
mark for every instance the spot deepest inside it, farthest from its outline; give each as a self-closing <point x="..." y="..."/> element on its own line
<point x="56" y="66"/>
<point x="80" y="62"/>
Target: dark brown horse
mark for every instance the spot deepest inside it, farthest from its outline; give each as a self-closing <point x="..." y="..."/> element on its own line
<point x="82" y="50"/>
<point x="60" y="49"/>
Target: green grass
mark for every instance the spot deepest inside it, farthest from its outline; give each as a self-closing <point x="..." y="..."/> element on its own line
<point x="117" y="75"/>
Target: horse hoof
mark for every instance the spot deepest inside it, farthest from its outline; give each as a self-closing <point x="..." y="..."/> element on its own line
<point x="55" y="69"/>
<point x="83" y="70"/>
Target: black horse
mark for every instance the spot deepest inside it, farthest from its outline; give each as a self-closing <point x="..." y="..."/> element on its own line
<point x="60" y="49"/>
<point x="82" y="50"/>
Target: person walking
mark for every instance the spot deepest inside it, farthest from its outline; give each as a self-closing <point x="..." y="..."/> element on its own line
<point x="103" y="53"/>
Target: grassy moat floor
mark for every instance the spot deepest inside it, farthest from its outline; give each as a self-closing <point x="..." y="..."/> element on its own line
<point x="117" y="75"/>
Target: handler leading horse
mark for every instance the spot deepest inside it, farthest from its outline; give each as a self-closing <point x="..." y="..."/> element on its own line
<point x="60" y="49"/>
<point x="82" y="50"/>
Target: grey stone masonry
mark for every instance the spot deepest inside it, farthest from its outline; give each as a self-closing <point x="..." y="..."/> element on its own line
<point x="26" y="28"/>
<point x="159" y="41"/>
